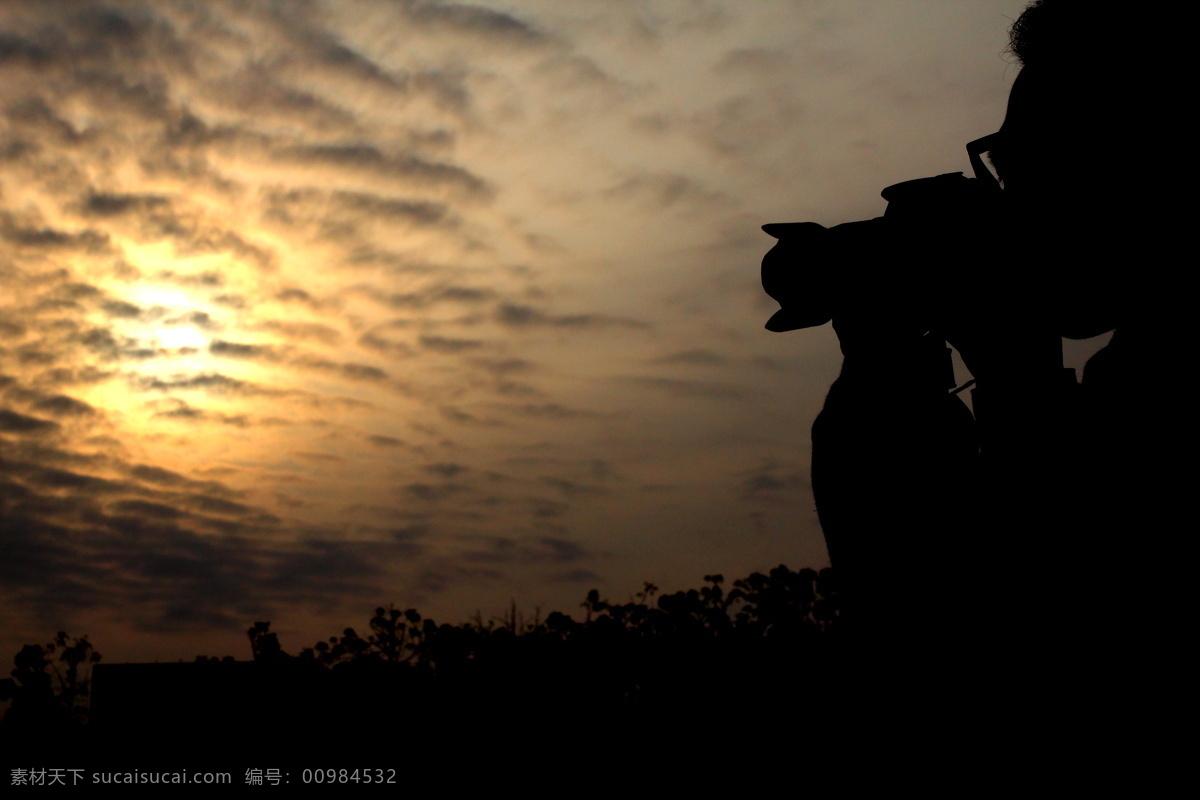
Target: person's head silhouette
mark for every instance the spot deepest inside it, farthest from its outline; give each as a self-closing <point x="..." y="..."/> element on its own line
<point x="1080" y="151"/>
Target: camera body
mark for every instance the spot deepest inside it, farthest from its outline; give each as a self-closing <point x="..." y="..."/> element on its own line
<point x="904" y="259"/>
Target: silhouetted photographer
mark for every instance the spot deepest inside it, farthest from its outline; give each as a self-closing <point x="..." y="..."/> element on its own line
<point x="1036" y="512"/>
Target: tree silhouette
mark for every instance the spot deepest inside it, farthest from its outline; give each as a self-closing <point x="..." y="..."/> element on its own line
<point x="763" y="643"/>
<point x="651" y="652"/>
<point x="50" y="686"/>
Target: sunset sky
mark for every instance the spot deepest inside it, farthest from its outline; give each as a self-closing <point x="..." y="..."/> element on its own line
<point x="310" y="307"/>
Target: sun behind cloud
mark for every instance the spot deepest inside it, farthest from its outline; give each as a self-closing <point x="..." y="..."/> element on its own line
<point x="172" y="313"/>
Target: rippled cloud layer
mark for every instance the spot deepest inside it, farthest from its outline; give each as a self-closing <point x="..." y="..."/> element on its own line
<point x="310" y="306"/>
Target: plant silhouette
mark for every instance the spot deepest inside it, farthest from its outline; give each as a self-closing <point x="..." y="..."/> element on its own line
<point x="766" y="640"/>
<point x="50" y="688"/>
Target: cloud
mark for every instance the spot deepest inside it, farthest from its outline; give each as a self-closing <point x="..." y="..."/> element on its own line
<point x="505" y="366"/>
<point x="458" y="415"/>
<point x="11" y="329"/>
<point x="427" y="298"/>
<point x="294" y="294"/>
<point x="445" y="470"/>
<point x="736" y="127"/>
<point x="231" y="300"/>
<point x="448" y="345"/>
<point x="773" y="482"/>
<point x="333" y="568"/>
<point x="753" y="62"/>
<point x="582" y="576"/>
<point x="363" y="372"/>
<point x="385" y="441"/>
<point x="372" y="161"/>
<point x="159" y="562"/>
<point x="14" y="48"/>
<point x="308" y="207"/>
<point x="263" y="96"/>
<point x="678" y="387"/>
<point x="664" y="190"/>
<point x="213" y="383"/>
<point x="393" y="209"/>
<point x="176" y="409"/>
<point x="569" y="72"/>
<point x="561" y="550"/>
<point x="570" y="488"/>
<point x="152" y="474"/>
<point x="333" y="56"/>
<point x="33" y="116"/>
<point x="103" y="204"/>
<point x="552" y="411"/>
<point x="219" y="505"/>
<point x="435" y="493"/>
<point x="62" y="406"/>
<point x="518" y="316"/>
<point x="12" y="422"/>
<point x="238" y="350"/>
<point x="141" y="508"/>
<point x="55" y="478"/>
<point x="696" y="357"/>
<point x="501" y="550"/>
<point x="462" y="294"/>
<point x="494" y="27"/>
<point x="122" y="310"/>
<point x="84" y="241"/>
